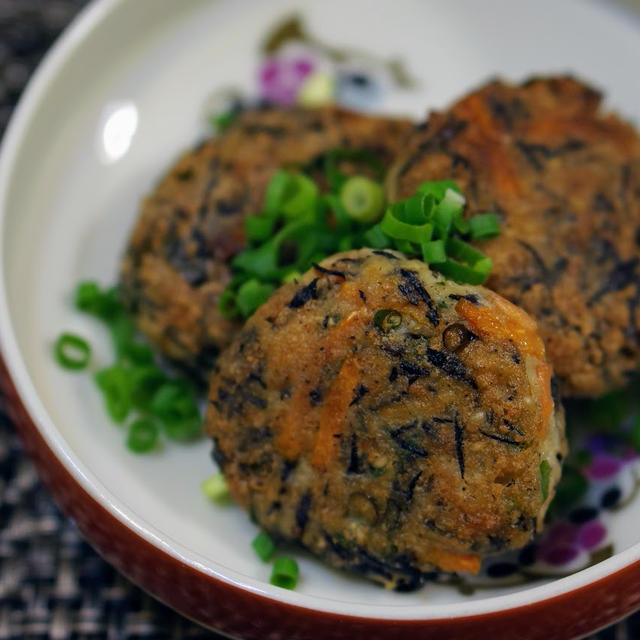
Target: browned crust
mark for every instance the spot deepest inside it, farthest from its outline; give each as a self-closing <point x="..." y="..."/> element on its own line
<point x="388" y="452"/>
<point x="564" y="176"/>
<point x="176" y="263"/>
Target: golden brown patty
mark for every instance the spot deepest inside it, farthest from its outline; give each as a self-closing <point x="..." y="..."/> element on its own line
<point x="564" y="177"/>
<point x="176" y="264"/>
<point x="387" y="419"/>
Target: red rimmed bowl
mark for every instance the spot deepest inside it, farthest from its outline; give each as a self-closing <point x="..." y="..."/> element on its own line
<point x="119" y="96"/>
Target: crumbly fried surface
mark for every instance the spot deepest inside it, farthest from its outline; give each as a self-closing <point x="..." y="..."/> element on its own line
<point x="176" y="264"/>
<point x="564" y="176"/>
<point x="389" y="420"/>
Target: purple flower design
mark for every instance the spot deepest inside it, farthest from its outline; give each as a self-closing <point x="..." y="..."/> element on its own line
<point x="591" y="534"/>
<point x="609" y="456"/>
<point x="281" y="78"/>
<point x="603" y="466"/>
<point x="565" y="541"/>
<point x="558" y="546"/>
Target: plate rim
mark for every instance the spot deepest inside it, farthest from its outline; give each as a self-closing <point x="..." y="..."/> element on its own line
<point x="15" y="372"/>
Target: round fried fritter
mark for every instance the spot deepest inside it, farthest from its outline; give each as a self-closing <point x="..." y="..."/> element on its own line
<point x="176" y="264"/>
<point x="391" y="421"/>
<point x="564" y="177"/>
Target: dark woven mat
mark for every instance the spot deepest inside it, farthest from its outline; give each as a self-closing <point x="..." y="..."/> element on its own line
<point x="52" y="584"/>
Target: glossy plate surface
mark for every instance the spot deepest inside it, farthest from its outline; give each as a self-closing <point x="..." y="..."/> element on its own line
<point x="119" y="97"/>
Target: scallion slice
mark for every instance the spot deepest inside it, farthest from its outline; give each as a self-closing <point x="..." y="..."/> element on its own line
<point x="264" y="546"/>
<point x="434" y="252"/>
<point x="258" y="228"/>
<point x="362" y="199"/>
<point x="145" y="382"/>
<point x="376" y="238"/>
<point x="300" y="196"/>
<point x="115" y="384"/>
<point x="285" y="573"/>
<point x="446" y="211"/>
<point x="215" y="488"/>
<point x="399" y="230"/>
<point x="252" y="294"/>
<point x="88" y="296"/>
<point x="142" y="436"/>
<point x="387" y="319"/>
<point x="438" y="188"/>
<point x="174" y="404"/>
<point x="484" y="225"/>
<point x="276" y="192"/>
<point x="72" y="351"/>
<point x="459" y="272"/>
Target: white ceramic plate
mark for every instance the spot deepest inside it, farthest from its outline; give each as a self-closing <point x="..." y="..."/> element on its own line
<point x="71" y="181"/>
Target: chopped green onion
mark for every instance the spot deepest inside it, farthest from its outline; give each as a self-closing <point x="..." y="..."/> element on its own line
<point x="183" y="429"/>
<point x="461" y="225"/>
<point x="376" y="238"/>
<point x="404" y="246"/>
<point x="145" y="382"/>
<point x="174" y="403"/>
<point x="466" y="264"/>
<point x="115" y="384"/>
<point x="122" y="332"/>
<point x="72" y="351"/>
<point x="387" y="319"/>
<point x="309" y="227"/>
<point x="258" y="228"/>
<point x="168" y="400"/>
<point x="142" y="436"/>
<point x="264" y="546"/>
<point x="478" y="274"/>
<point x="447" y="210"/>
<point x="88" y="296"/>
<point x="399" y="230"/>
<point x="285" y="573"/>
<point x="434" y="252"/>
<point x="138" y="352"/>
<point x="289" y="194"/>
<point x="300" y="197"/>
<point x="261" y="262"/>
<point x="545" y="472"/>
<point x="484" y="225"/>
<point x="251" y="295"/>
<point x="109" y="305"/>
<point x="438" y="188"/>
<point x="460" y="250"/>
<point x="103" y="304"/>
<point x="133" y="382"/>
<point x="415" y="210"/>
<point x="362" y="199"/>
<point x="276" y="192"/>
<point x="216" y="489"/>
<point x="345" y="243"/>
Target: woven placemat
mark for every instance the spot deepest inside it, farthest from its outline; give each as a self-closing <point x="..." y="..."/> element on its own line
<point x="52" y="584"/>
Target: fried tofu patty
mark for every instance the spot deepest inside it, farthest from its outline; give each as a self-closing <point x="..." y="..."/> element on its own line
<point x="392" y="422"/>
<point x="177" y="261"/>
<point x="564" y="177"/>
